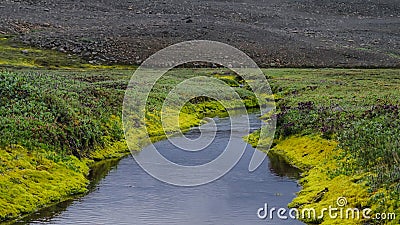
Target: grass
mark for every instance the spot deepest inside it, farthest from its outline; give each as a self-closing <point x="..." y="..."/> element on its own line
<point x="341" y="128"/>
<point x="55" y="123"/>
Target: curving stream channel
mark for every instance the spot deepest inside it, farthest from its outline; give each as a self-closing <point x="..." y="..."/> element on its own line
<point x="122" y="193"/>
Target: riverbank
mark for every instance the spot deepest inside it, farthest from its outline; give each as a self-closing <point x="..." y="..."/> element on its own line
<point x="317" y="158"/>
<point x="328" y="89"/>
<point x="339" y="128"/>
<point x="31" y="180"/>
<point x="59" y="118"/>
<point x="128" y="188"/>
<point x="57" y="123"/>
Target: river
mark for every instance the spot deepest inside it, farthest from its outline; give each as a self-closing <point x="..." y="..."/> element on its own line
<point x="122" y="193"/>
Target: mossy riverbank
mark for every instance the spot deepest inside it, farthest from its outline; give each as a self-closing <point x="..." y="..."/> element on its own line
<point x="340" y="128"/>
<point x="56" y="123"/>
<point x="46" y="125"/>
<point x="31" y="180"/>
<point x="59" y="117"/>
<point x="74" y="114"/>
<point x="317" y="158"/>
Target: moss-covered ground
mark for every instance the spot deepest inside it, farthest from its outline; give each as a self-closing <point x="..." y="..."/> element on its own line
<point x="341" y="127"/>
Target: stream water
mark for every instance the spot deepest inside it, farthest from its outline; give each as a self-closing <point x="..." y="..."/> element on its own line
<point x="122" y="193"/>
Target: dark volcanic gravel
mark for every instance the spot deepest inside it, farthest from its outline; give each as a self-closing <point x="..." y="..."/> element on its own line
<point x="295" y="33"/>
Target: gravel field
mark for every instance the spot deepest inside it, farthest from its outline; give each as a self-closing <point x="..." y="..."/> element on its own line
<point x="287" y="33"/>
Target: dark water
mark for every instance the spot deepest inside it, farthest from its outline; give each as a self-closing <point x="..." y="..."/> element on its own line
<point x="128" y="195"/>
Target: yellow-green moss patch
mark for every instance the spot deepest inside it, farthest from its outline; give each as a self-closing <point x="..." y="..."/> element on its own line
<point x="30" y="180"/>
<point x="321" y="186"/>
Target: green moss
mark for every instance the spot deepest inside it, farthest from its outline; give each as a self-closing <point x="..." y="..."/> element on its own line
<point x="318" y="158"/>
<point x="13" y="53"/>
<point x="30" y="180"/>
<point x="322" y="184"/>
<point x="111" y="150"/>
<point x="16" y="54"/>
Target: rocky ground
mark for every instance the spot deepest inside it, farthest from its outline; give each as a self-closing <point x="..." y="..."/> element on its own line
<point x="291" y="33"/>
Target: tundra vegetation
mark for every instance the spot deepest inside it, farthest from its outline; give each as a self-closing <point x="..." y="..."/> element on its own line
<point x="59" y="119"/>
<point x="341" y="127"/>
<point x="60" y="115"/>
